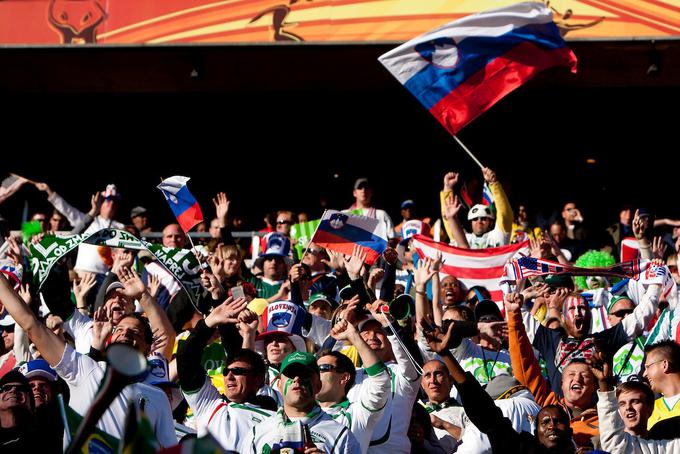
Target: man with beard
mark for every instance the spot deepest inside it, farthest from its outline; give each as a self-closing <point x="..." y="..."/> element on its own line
<point x="553" y="434"/>
<point x="558" y="348"/>
<point x="44" y="383"/>
<point x="577" y="381"/>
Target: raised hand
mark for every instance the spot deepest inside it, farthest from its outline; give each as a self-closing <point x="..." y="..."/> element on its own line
<point x="134" y="287"/>
<point x="536" y="290"/>
<point x="221" y="208"/>
<point x="354" y="264"/>
<point x="344" y="331"/>
<point x="450" y="180"/>
<point x="217" y="266"/>
<point x="439" y="341"/>
<point x="390" y="255"/>
<point x="154" y="285"/>
<point x="122" y="258"/>
<point x="426" y="269"/>
<point x="452" y="207"/>
<point x="44" y="188"/>
<point x="25" y="294"/>
<point x="210" y="282"/>
<point x="489" y="175"/>
<point x="101" y="328"/>
<point x="513" y="302"/>
<point x="374" y="277"/>
<point x="601" y="369"/>
<point x="659" y="247"/>
<point x="335" y="260"/>
<point x="639" y="226"/>
<point x="95" y="204"/>
<point x="247" y="322"/>
<point x="556" y="300"/>
<point x="82" y="287"/>
<point x="226" y="312"/>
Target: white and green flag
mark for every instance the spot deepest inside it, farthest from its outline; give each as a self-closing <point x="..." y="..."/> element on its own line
<point x="182" y="263"/>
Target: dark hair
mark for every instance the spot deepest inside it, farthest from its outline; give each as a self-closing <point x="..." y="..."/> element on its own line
<point x="464" y="312"/>
<point x="669" y="350"/>
<point x="480" y="293"/>
<point x="344" y="364"/>
<point x="563" y="413"/>
<point x="148" y="334"/>
<point x="636" y="386"/>
<point x="248" y="356"/>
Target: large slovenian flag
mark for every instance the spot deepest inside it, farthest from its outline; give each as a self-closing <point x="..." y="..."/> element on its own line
<point x="471" y="266"/>
<point x="339" y="232"/>
<point x="183" y="204"/>
<point x="463" y="68"/>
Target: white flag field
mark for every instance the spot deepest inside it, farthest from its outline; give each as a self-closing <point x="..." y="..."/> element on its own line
<point x="472" y="266"/>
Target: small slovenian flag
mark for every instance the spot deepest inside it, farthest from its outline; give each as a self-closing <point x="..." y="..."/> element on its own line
<point x="183" y="204"/>
<point x="463" y="68"/>
<point x="339" y="232"/>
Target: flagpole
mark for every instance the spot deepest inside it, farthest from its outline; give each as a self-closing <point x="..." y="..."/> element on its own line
<point x="310" y="240"/>
<point x="474" y="158"/>
<point x="27" y="180"/>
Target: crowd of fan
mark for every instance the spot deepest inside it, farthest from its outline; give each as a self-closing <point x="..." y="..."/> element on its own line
<point x="324" y="354"/>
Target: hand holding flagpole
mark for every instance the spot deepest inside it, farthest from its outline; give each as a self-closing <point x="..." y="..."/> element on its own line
<point x="183" y="205"/>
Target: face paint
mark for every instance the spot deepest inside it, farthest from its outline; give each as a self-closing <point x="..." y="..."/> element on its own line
<point x="289" y="381"/>
<point x="573" y="306"/>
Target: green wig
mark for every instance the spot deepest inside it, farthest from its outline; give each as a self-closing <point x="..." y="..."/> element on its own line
<point x="594" y="259"/>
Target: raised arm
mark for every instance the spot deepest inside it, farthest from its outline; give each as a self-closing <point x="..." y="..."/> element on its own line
<point x="451" y="209"/>
<point x="160" y="324"/>
<point x="49" y="345"/>
<point x="525" y="366"/>
<point x="503" y="209"/>
<point x="425" y="271"/>
<point x="73" y="214"/>
<point x="636" y="322"/>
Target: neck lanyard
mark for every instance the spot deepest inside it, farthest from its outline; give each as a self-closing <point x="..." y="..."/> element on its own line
<point x="486" y="371"/>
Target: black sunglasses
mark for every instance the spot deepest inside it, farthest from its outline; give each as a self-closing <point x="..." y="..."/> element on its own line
<point x="9" y="328"/>
<point x="236" y="371"/>
<point x="329" y="368"/>
<point x="18" y="386"/>
<point x="622" y="312"/>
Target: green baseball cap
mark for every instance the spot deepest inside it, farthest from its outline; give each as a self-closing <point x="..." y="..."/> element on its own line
<point x="299" y="359"/>
<point x="322" y="297"/>
<point x="559" y="280"/>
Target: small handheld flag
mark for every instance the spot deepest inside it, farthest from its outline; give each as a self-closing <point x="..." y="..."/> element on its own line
<point x="183" y="204"/>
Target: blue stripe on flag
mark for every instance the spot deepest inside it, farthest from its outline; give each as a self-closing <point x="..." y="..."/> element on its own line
<point x="352" y="234"/>
<point x="184" y="200"/>
<point x="431" y="84"/>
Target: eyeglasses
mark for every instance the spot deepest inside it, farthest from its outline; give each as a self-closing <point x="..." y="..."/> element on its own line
<point x="622" y="312"/>
<point x="10" y="386"/>
<point x="313" y="252"/>
<point x="9" y="329"/>
<point x="236" y="371"/>
<point x="329" y="368"/>
<point x="283" y="222"/>
<point x="647" y="366"/>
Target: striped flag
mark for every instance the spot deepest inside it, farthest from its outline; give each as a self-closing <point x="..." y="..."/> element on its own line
<point x="183" y="204"/>
<point x="10" y="185"/>
<point x="471" y="266"/>
<point x="630" y="249"/>
<point x="341" y="231"/>
<point x="487" y="198"/>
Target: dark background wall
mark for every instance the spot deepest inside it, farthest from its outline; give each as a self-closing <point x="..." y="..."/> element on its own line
<point x="288" y="126"/>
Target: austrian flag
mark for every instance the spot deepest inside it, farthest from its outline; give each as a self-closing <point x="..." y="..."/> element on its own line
<point x="183" y="204"/>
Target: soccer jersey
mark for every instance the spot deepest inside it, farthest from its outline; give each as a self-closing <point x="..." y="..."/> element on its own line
<point x="281" y="431"/>
<point x="390" y="433"/>
<point x="362" y="415"/>
<point x="483" y="364"/>
<point x="228" y="422"/>
<point x="664" y="408"/>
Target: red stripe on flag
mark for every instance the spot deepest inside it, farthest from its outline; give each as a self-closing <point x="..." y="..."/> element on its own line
<point x="336" y="243"/>
<point x="498" y="78"/>
<point x="476" y="253"/>
<point x="190" y="217"/>
<point x="473" y="273"/>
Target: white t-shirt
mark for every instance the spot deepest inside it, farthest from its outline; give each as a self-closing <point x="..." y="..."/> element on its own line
<point x="483" y="364"/>
<point x="390" y="434"/>
<point x="79" y="327"/>
<point x="84" y="376"/>
<point x="328" y="435"/>
<point x="494" y="238"/>
<point x="228" y="422"/>
<point x="362" y="415"/>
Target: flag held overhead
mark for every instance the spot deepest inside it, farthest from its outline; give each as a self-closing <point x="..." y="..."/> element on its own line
<point x="340" y="231"/>
<point x="461" y="69"/>
<point x="183" y="204"/>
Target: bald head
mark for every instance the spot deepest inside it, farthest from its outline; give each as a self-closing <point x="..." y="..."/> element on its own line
<point x="173" y="236"/>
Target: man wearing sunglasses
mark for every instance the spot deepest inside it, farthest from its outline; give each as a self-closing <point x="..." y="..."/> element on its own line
<point x="18" y="431"/>
<point x="338" y="374"/>
<point x="300" y="383"/>
<point x="628" y="359"/>
<point x="228" y="420"/>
